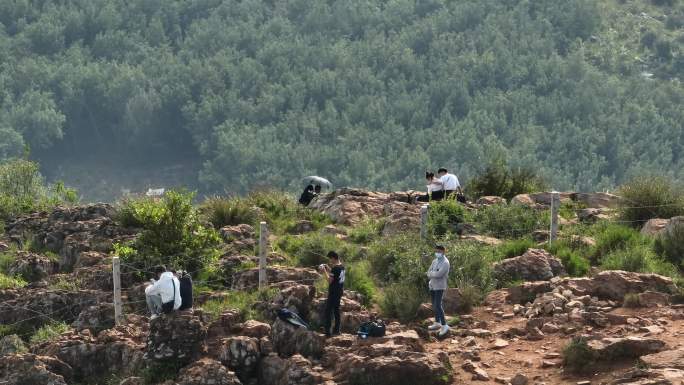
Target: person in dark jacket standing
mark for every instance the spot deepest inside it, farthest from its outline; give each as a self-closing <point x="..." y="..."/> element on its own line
<point x="335" y="273"/>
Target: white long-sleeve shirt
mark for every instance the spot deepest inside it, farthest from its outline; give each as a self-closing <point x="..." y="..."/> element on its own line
<point x="164" y="288"/>
<point x="450" y="182"/>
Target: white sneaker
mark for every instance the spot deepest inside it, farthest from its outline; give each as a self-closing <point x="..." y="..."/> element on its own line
<point x="434" y="326"/>
<point x="444" y="330"/>
<point x="154" y="316"/>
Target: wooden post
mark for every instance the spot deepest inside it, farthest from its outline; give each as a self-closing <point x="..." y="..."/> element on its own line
<point x="263" y="246"/>
<point x="424" y="221"/>
<point x="116" y="278"/>
<point x="555" y="206"/>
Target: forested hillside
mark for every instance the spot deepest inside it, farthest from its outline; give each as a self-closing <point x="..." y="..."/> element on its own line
<point x="232" y="94"/>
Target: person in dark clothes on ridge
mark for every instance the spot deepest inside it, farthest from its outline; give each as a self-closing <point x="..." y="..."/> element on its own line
<point x="335" y="273"/>
<point x="185" y="281"/>
<point x="307" y="196"/>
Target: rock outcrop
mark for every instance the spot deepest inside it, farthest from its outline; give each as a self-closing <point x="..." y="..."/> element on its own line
<point x="289" y="340"/>
<point x="25" y="369"/>
<point x="351" y="206"/>
<point x="534" y="265"/>
<point x="32" y="267"/>
<point x="70" y="231"/>
<point x="249" y="278"/>
<point x="207" y="372"/>
<point x="177" y="337"/>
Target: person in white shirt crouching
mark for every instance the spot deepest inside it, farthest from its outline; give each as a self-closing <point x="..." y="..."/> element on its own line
<point x="163" y="295"/>
<point x="449" y="182"/>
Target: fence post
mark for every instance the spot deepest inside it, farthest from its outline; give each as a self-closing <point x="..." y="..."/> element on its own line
<point x="116" y="278"/>
<point x="423" y="221"/>
<point x="555" y="206"/>
<point x="263" y="246"/>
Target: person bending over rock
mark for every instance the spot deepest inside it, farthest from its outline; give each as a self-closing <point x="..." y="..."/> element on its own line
<point x="439" y="276"/>
<point x="163" y="295"/>
<point x="335" y="273"/>
<point x="307" y="196"/>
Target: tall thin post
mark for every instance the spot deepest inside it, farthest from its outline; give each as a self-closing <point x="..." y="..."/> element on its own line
<point x="116" y="278"/>
<point x="555" y="207"/>
<point x="423" y="221"/>
<point x="263" y="246"/>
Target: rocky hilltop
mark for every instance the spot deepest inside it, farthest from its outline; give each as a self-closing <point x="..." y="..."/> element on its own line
<point x="627" y="324"/>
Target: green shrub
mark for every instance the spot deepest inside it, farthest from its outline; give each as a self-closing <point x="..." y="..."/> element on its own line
<point x="22" y="189"/>
<point x="631" y="300"/>
<point x="670" y="244"/>
<point x="501" y="180"/>
<point x="48" y="332"/>
<point x="242" y="301"/>
<point x="6" y="260"/>
<point x="229" y="212"/>
<point x="7" y="282"/>
<point x="615" y="237"/>
<point x="649" y="197"/>
<point x="403" y="257"/>
<point x="367" y="231"/>
<point x="514" y="248"/>
<point x="312" y="249"/>
<point x="471" y="264"/>
<point x="575" y="264"/>
<point x="444" y="217"/>
<point x="471" y="296"/>
<point x="510" y="221"/>
<point x="638" y="259"/>
<point x="400" y="300"/>
<point x="171" y="233"/>
<point x="282" y="212"/>
<point x="358" y="278"/>
<point x="577" y="355"/>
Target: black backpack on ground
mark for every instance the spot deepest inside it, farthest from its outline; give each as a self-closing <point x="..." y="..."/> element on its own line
<point x="374" y="328"/>
<point x="185" y="291"/>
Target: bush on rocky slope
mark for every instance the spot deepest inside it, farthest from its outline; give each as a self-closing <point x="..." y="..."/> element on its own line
<point x="172" y="233"/>
<point x="647" y="197"/>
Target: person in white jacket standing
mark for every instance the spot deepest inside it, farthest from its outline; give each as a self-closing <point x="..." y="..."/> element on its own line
<point x="163" y="295"/>
<point x="439" y="278"/>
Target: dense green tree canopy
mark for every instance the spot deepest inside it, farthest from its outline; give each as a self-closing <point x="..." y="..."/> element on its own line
<point x="245" y="93"/>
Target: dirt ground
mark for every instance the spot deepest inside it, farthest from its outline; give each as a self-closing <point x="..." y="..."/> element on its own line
<point x="541" y="360"/>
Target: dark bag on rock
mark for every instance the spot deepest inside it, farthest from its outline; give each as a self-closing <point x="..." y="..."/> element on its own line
<point x="461" y="198"/>
<point x="374" y="328"/>
<point x="185" y="291"/>
<point x="292" y="318"/>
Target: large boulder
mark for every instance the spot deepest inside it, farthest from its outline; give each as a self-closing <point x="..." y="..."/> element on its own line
<point x="351" y="206"/>
<point x="32" y="267"/>
<point x="534" y="265"/>
<point x="177" y="337"/>
<point x="598" y="200"/>
<point x="527" y="291"/>
<point x="351" y="314"/>
<point x="654" y="226"/>
<point x="241" y="354"/>
<point x="401" y="218"/>
<point x="614" y="284"/>
<point x="664" y="359"/>
<point x="490" y="200"/>
<point x="207" y="372"/>
<point x="118" y="350"/>
<point x="289" y="340"/>
<point x="95" y="318"/>
<point x="296" y="297"/>
<point x="70" y="231"/>
<point x="402" y="369"/>
<point x="625" y="347"/>
<point x="296" y="370"/>
<point x="18" y="306"/>
<point x="25" y="369"/>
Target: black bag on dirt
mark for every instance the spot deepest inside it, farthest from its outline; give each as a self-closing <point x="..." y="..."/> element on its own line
<point x="375" y="328"/>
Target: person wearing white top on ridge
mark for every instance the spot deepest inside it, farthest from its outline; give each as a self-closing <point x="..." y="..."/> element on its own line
<point x="435" y="189"/>
<point x="449" y="181"/>
<point x="163" y="295"/>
